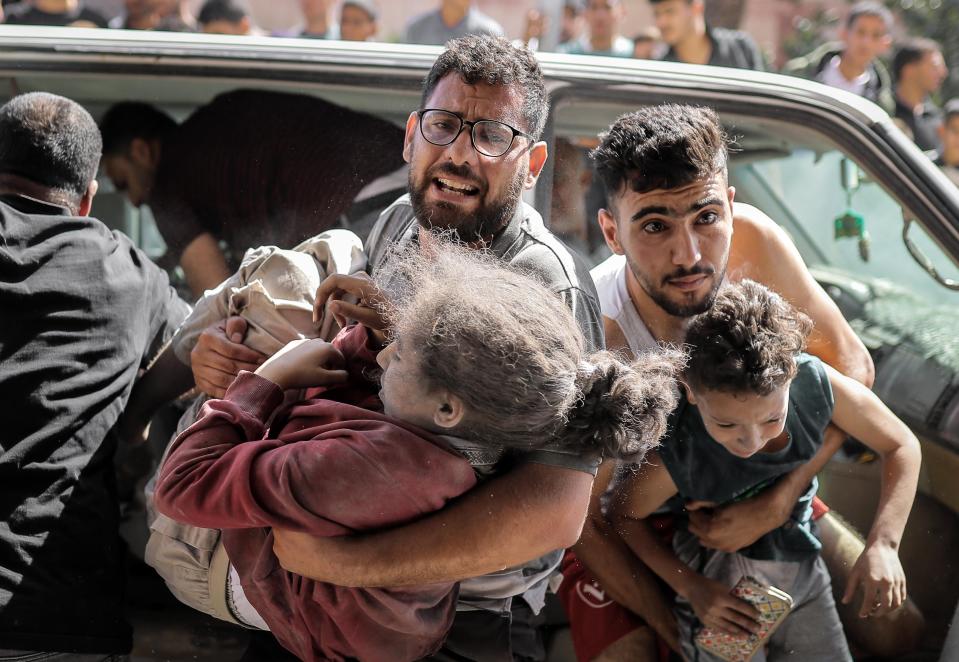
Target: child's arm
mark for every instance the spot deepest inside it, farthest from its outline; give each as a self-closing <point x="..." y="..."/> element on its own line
<point x="638" y="498"/>
<point x="861" y="414"/>
<point x="222" y="473"/>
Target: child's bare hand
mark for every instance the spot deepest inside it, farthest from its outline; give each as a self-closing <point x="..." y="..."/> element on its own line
<point x="304" y="364"/>
<point x="719" y="610"/>
<point x="366" y="311"/>
<point x="880" y="574"/>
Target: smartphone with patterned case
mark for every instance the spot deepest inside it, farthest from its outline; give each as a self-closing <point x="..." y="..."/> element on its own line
<point x="773" y="606"/>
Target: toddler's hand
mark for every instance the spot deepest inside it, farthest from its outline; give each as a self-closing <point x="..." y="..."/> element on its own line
<point x="880" y="574"/>
<point x="719" y="610"/>
<point x="305" y="364"/>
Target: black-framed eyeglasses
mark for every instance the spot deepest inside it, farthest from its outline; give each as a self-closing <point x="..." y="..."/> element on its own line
<point x="489" y="137"/>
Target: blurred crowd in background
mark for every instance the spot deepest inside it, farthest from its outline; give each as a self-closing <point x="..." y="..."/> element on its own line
<point x="879" y="50"/>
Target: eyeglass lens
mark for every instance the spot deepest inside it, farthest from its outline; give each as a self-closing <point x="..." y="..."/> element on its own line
<point x="490" y="137"/>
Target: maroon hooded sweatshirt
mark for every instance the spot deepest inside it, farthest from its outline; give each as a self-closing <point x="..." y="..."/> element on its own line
<point x="328" y="469"/>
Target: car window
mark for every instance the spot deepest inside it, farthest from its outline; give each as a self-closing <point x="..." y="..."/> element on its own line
<point x="857" y="231"/>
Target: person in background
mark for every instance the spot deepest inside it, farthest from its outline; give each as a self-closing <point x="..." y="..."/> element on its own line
<point x="258" y="183"/>
<point x="854" y="65"/>
<point x="223" y="17"/>
<point x="948" y="158"/>
<point x="136" y="15"/>
<point x="568" y="218"/>
<point x="603" y="21"/>
<point x="572" y="26"/>
<point x="919" y="70"/>
<point x="166" y="15"/>
<point x="53" y="13"/>
<point x="682" y="24"/>
<point x="358" y="20"/>
<point x="317" y="23"/>
<point x="451" y="20"/>
<point x="646" y="43"/>
<point x="570" y="29"/>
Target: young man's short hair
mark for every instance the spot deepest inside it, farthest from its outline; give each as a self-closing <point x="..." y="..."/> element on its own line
<point x="494" y="61"/>
<point x="132" y="119"/>
<point x="220" y="10"/>
<point x="869" y="8"/>
<point x="660" y="147"/>
<point x="49" y="140"/>
<point x="366" y="6"/>
<point x="911" y="51"/>
<point x="646" y="35"/>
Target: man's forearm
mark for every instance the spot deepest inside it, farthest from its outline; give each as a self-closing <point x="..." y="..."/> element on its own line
<point x="791" y="488"/>
<point x="511" y="519"/>
<point x="656" y="554"/>
<point x="622" y="575"/>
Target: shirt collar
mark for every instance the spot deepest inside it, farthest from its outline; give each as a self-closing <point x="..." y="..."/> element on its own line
<point x="29" y="205"/>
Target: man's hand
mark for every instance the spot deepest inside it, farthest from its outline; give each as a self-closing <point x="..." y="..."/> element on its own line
<point x="220" y="355"/>
<point x="368" y="309"/>
<point x="883" y="581"/>
<point x="720" y="610"/>
<point x="737" y="525"/>
<point x="305" y="364"/>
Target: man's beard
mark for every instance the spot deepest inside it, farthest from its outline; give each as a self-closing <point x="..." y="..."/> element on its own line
<point x="679" y="309"/>
<point x="491" y="217"/>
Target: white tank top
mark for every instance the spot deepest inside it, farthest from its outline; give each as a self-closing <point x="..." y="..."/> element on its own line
<point x="614" y="302"/>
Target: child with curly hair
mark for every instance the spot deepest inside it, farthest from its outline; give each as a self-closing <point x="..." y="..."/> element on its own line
<point x="485" y="363"/>
<point x="755" y="408"/>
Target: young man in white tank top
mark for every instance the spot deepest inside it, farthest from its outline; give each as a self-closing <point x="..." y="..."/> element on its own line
<point x="676" y="234"/>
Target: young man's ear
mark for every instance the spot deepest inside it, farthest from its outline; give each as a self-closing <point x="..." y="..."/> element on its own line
<point x="688" y="391"/>
<point x="886" y="45"/>
<point x="411" y="123"/>
<point x="537" y="159"/>
<point x="607" y="222"/>
<point x="86" y="200"/>
<point x="449" y="412"/>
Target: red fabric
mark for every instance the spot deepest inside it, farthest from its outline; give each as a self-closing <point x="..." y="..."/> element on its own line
<point x="595" y="620"/>
<point x="819" y="508"/>
<point x="331" y="469"/>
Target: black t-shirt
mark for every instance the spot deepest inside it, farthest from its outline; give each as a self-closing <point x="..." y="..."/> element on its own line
<point x="257" y="168"/>
<point x="82" y="311"/>
<point x="731" y="48"/>
<point x="22" y="13"/>
<point x="924" y="125"/>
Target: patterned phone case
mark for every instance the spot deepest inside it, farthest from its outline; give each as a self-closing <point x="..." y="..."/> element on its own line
<point x="773" y="605"/>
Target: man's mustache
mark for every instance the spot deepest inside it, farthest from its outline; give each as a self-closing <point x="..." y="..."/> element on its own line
<point x="684" y="273"/>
